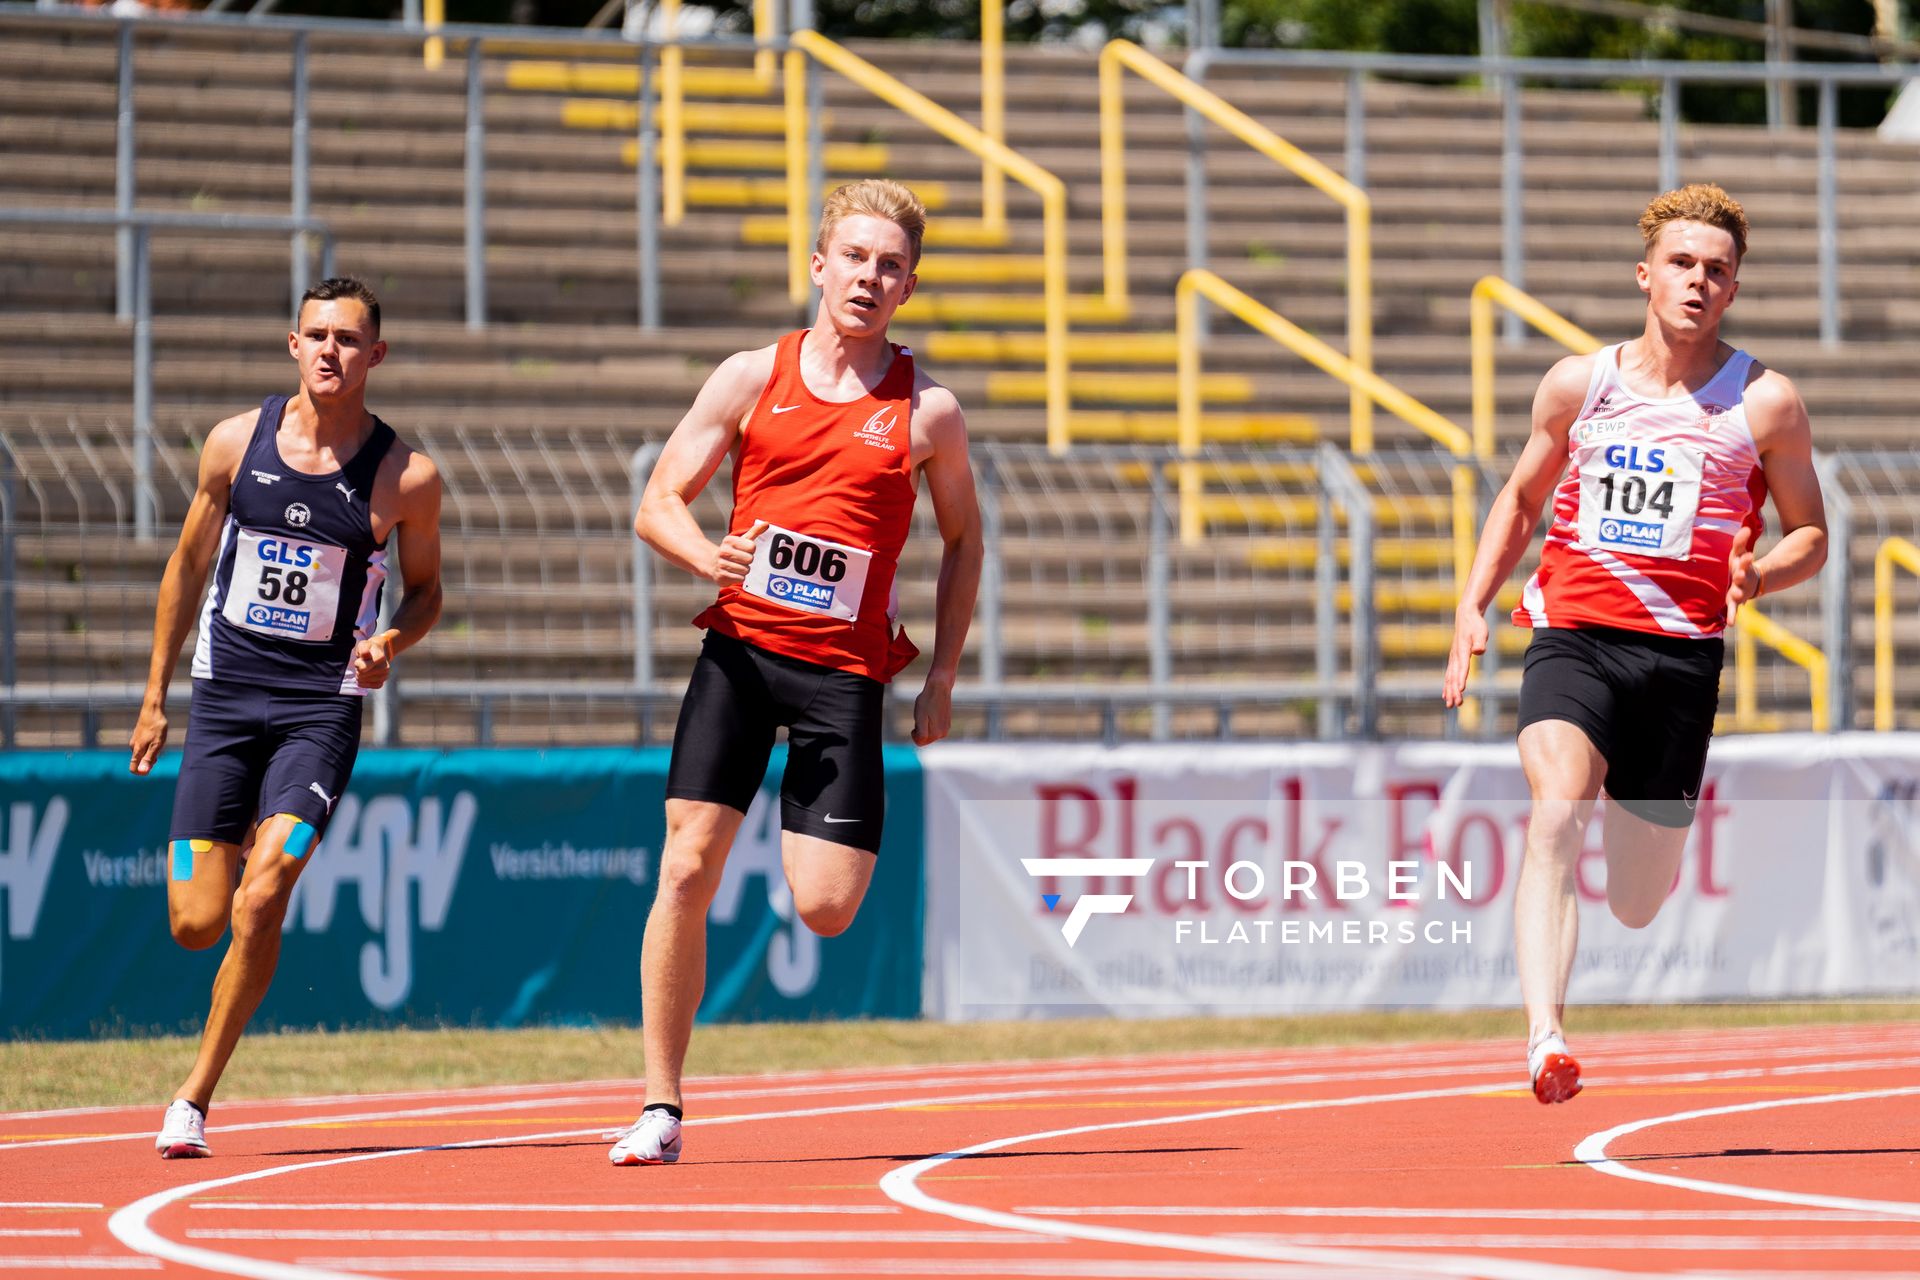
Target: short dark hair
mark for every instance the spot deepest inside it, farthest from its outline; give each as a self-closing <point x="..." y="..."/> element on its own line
<point x="335" y="287"/>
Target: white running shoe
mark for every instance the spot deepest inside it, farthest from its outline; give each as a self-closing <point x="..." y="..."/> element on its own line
<point x="652" y="1139"/>
<point x="183" y="1134"/>
<point x="1555" y="1074"/>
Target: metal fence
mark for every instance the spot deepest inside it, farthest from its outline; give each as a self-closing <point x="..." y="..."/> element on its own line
<point x="1318" y="604"/>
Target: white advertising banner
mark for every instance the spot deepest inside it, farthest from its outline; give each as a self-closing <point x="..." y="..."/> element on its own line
<point x="1162" y="879"/>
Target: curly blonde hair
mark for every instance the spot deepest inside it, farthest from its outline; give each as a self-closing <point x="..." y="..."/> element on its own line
<point x="879" y="198"/>
<point x="1701" y="202"/>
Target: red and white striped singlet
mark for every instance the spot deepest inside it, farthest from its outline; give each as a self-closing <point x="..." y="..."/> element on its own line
<point x="1644" y="520"/>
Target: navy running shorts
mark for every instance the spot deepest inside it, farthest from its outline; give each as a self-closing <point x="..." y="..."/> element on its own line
<point x="1646" y="702"/>
<point x="835" y="785"/>
<point x="253" y="753"/>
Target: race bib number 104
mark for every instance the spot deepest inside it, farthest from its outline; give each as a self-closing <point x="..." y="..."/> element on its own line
<point x="285" y="587"/>
<point x="1639" y="498"/>
<point x="810" y="574"/>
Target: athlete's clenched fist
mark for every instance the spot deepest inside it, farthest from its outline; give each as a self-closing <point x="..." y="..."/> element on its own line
<point x="736" y="555"/>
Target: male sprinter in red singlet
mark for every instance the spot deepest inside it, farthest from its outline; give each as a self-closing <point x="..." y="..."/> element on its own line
<point x="830" y="429"/>
<point x="1675" y="441"/>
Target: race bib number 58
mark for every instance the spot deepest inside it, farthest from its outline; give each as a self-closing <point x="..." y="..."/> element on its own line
<point x="284" y="587"/>
<point x="812" y="575"/>
<point x="1639" y="498"/>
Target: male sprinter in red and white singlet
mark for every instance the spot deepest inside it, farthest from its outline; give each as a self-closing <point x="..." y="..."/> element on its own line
<point x="830" y="430"/>
<point x="1675" y="439"/>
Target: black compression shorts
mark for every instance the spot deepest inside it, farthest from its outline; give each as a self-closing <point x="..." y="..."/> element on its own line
<point x="1646" y="702"/>
<point x="739" y="695"/>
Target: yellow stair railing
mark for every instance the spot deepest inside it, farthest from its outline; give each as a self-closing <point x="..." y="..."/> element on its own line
<point x="993" y="152"/>
<point x="1900" y="553"/>
<point x="1750" y="625"/>
<point x="1123" y="55"/>
<point x="1200" y="283"/>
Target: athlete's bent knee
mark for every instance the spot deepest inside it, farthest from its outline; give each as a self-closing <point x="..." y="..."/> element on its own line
<point x="195" y="930"/>
<point x="259" y="909"/>
<point x="1635" y="913"/>
<point x="687" y="882"/>
<point x="1555" y="828"/>
<point x="830" y="918"/>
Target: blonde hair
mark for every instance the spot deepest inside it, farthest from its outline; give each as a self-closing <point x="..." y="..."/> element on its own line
<point x="1701" y="202"/>
<point x="879" y="198"/>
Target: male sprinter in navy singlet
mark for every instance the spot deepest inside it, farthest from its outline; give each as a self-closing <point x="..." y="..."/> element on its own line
<point x="830" y="430"/>
<point x="296" y="502"/>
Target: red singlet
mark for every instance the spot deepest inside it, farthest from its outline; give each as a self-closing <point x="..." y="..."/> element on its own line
<point x="834" y="480"/>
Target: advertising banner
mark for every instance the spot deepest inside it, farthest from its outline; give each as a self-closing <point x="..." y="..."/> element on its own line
<point x="478" y="887"/>
<point x="1170" y="879"/>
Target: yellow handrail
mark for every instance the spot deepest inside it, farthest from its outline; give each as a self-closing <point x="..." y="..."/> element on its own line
<point x="1892" y="552"/>
<point x="993" y="110"/>
<point x="1751" y="625"/>
<point x="1123" y="54"/>
<point x="1052" y="193"/>
<point x="1487" y="291"/>
<point x="673" y="100"/>
<point x="433" y="15"/>
<point x="1198" y="283"/>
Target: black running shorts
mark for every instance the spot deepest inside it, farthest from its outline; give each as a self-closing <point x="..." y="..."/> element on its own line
<point x="1646" y="702"/>
<point x="254" y="753"/>
<point x="834" y="787"/>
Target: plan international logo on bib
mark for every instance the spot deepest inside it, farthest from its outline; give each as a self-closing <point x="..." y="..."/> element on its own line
<point x="279" y="619"/>
<point x="1634" y="535"/>
<point x="798" y="591"/>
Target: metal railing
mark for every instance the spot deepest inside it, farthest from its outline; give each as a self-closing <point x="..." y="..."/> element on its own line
<point x="1668" y="76"/>
<point x="1199" y="283"/>
<point x="141" y="226"/>
<point x="1751" y="626"/>
<point x="1122" y="55"/>
<point x="1893" y="553"/>
<point x="1052" y="193"/>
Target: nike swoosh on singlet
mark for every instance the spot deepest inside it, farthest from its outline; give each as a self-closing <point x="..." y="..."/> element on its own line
<point x="785" y="408"/>
<point x="836" y="821"/>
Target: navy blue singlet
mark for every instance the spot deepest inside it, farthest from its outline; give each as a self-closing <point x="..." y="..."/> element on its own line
<point x="297" y="581"/>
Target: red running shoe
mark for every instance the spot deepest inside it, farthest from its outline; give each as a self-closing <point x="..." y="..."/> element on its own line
<point x="1555" y="1074"/>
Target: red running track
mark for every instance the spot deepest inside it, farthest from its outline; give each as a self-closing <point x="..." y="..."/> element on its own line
<point x="1746" y="1152"/>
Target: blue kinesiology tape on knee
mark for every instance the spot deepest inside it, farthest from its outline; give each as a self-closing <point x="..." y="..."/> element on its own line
<point x="300" y="839"/>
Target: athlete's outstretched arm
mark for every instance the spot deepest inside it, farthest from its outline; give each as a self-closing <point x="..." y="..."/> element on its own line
<point x="949" y="475"/>
<point x="690" y="457"/>
<point x="1514" y="514"/>
<point x="418" y="523"/>
<point x="1780" y="428"/>
<point x="185" y="579"/>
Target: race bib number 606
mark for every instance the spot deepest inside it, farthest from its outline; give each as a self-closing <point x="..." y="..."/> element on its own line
<point x="810" y="574"/>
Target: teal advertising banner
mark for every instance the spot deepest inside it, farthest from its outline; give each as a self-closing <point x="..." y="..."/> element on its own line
<point x="483" y="887"/>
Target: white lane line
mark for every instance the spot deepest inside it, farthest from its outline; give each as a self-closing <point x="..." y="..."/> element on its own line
<point x="39" y="1233"/>
<point x="78" y="1262"/>
<point x="1564" y="1214"/>
<point x="1065" y="1268"/>
<point x="299" y="1206"/>
<point x="663" y="1235"/>
<point x="1593" y="1152"/>
<point x="901" y="1186"/>
<point x="50" y="1204"/>
<point x="1702" y="1242"/>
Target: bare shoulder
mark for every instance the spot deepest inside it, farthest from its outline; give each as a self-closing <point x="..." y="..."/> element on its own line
<point x="745" y="372"/>
<point x="1775" y="412"/>
<point x="936" y="410"/>
<point x="229" y="437"/>
<point x="1570" y="377"/>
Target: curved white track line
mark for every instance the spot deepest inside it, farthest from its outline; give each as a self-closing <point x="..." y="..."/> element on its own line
<point x="1593" y="1151"/>
<point x="901" y="1186"/>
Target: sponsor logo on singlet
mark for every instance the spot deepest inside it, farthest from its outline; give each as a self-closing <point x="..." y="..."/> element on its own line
<point x="878" y="433"/>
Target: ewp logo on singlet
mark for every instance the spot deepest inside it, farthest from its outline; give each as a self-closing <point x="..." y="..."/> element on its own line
<point x="387" y="847"/>
<point x="26" y="864"/>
